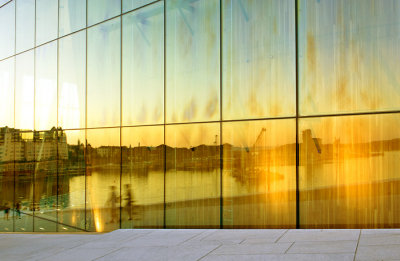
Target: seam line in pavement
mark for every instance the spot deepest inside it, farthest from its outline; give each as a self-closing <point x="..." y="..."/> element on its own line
<point x="279" y="238"/>
<point x="209" y="252"/>
<point x="358" y="242"/>
<point x="190" y="238"/>
<point x="107" y="254"/>
<point x="289" y="248"/>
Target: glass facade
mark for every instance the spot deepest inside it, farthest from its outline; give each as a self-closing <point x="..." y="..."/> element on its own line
<point x="199" y="114"/>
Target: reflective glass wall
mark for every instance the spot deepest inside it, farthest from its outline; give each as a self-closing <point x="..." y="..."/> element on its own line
<point x="199" y="114"/>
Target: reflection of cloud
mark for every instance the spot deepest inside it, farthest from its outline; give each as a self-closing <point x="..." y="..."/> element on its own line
<point x="190" y="110"/>
<point x="212" y="106"/>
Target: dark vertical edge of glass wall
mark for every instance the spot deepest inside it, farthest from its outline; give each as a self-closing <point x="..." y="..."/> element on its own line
<point x="297" y="114"/>
<point x="165" y="83"/>
<point x="34" y="113"/>
<point x="12" y="135"/>
<point x="85" y="149"/>
<point x="58" y="72"/>
<point x="221" y="200"/>
<point x="120" y="124"/>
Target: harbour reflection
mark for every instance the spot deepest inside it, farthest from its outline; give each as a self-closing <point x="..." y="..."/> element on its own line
<point x="347" y="176"/>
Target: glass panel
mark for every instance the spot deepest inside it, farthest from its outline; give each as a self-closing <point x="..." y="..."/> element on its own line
<point x="6" y="179"/>
<point x="143" y="177"/>
<point x="193" y="61"/>
<point x="72" y="16"/>
<point x="259" y="174"/>
<point x="100" y="10"/>
<point x="71" y="179"/>
<point x="104" y="65"/>
<point x="143" y="66"/>
<point x="72" y="81"/>
<point x="25" y="23"/>
<point x="24" y="91"/>
<point x="7" y="30"/>
<point x="103" y="167"/>
<point x="7" y="93"/>
<point x="349" y="53"/>
<point x="128" y="5"/>
<point x="46" y="87"/>
<point x="258" y="59"/>
<point x="45" y="190"/>
<point x="193" y="176"/>
<point x="24" y="174"/>
<point x="349" y="171"/>
<point x="44" y="225"/>
<point x="46" y="20"/>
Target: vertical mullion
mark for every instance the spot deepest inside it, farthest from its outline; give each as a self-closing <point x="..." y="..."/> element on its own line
<point x="34" y="119"/>
<point x="14" y="131"/>
<point x="297" y="117"/>
<point x="85" y="152"/>
<point x="120" y="126"/>
<point x="165" y="83"/>
<point x="57" y="158"/>
<point x="221" y="162"/>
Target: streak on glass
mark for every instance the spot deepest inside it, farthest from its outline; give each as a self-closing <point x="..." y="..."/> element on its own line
<point x="24" y="91"/>
<point x="46" y="21"/>
<point x="72" y="16"/>
<point x="71" y="179"/>
<point x="142" y="177"/>
<point x="72" y="81"/>
<point x="25" y="24"/>
<point x="349" y="174"/>
<point x="259" y="174"/>
<point x="46" y="86"/>
<point x="258" y="59"/>
<point x="7" y="92"/>
<point x="128" y="5"/>
<point x="103" y="165"/>
<point x="7" y="30"/>
<point x="192" y="75"/>
<point x="143" y="66"/>
<point x="349" y="54"/>
<point x="104" y="65"/>
<point x="193" y="176"/>
<point x="100" y="10"/>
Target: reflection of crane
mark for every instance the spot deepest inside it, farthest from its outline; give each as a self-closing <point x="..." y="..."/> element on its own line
<point x="262" y="132"/>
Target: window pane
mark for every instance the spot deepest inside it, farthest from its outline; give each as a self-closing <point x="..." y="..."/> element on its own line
<point x="143" y="177"/>
<point x="46" y="20"/>
<point x="45" y="186"/>
<point x="24" y="173"/>
<point x="193" y="176"/>
<point x="7" y="30"/>
<point x="71" y="179"/>
<point x="24" y="91"/>
<point x="100" y="10"/>
<point x="7" y="93"/>
<point x="104" y="65"/>
<point x="143" y="66"/>
<point x="6" y="179"/>
<point x="349" y="53"/>
<point x="25" y="24"/>
<point x="72" y="16"/>
<point x="72" y="81"/>
<point x="349" y="171"/>
<point x="258" y="59"/>
<point x="103" y="162"/>
<point x="259" y="174"/>
<point x="128" y="5"/>
<point x="46" y="87"/>
<point x="192" y="61"/>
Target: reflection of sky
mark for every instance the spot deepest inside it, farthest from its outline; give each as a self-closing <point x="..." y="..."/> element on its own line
<point x="349" y="52"/>
<point x="6" y="93"/>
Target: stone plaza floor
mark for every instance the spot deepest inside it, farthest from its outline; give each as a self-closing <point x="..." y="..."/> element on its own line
<point x="205" y="244"/>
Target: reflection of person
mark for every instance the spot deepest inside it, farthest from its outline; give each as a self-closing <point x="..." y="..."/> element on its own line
<point x="6" y="211"/>
<point x="18" y="209"/>
<point x="129" y="200"/>
<point x="112" y="202"/>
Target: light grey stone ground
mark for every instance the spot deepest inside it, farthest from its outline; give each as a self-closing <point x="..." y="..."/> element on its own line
<point x="205" y="244"/>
